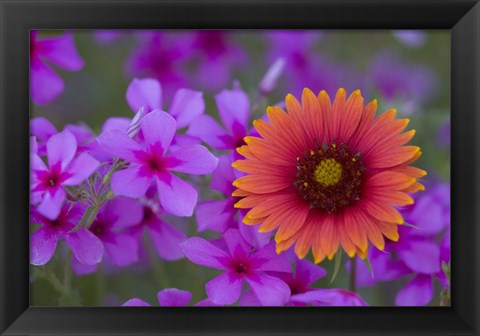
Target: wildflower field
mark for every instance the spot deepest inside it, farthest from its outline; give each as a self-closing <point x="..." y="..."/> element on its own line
<point x="240" y="168"/>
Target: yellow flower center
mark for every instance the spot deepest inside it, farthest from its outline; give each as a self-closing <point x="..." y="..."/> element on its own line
<point x="328" y="172"/>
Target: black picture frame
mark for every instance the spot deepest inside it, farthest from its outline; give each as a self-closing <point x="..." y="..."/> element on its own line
<point x="462" y="17"/>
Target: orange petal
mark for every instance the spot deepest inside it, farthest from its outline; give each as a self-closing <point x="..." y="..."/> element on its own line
<point x="382" y="212"/>
<point x="355" y="230"/>
<point x="268" y="153"/>
<point x="312" y="120"/>
<point x="389" y="230"/>
<point x="292" y="222"/>
<point x="262" y="184"/>
<point x="389" y="180"/>
<point x="342" y="229"/>
<point x="338" y="109"/>
<point x="374" y="233"/>
<point x="398" y="198"/>
<point x="414" y="188"/>
<point x="305" y="240"/>
<point x="329" y="236"/>
<point x="402" y="155"/>
<point x="350" y="118"/>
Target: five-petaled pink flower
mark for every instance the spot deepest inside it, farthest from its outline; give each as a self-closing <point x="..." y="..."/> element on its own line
<point x="63" y="170"/>
<point x="149" y="162"/>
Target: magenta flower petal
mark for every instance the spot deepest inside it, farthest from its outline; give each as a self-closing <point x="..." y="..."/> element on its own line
<point x="251" y="235"/>
<point x="183" y="140"/>
<point x="119" y="144"/>
<point x="202" y="252"/>
<point x="37" y="163"/>
<point x="417" y="292"/>
<point x="207" y="129"/>
<point x="428" y="212"/>
<point x="33" y="145"/>
<point x="236" y="245"/>
<point x="224" y="175"/>
<point x="86" y="247"/>
<point x="249" y="299"/>
<point x="166" y="240"/>
<point x="123" y="250"/>
<point x="329" y="297"/>
<point x="309" y="271"/>
<point x="266" y="259"/>
<point x="145" y="93"/>
<point x="420" y="256"/>
<point x="61" y="51"/>
<point x="43" y="243"/>
<point x="215" y="215"/>
<point x="270" y="291"/>
<point x="61" y="149"/>
<point x="45" y="84"/>
<point x="51" y="204"/>
<point x="194" y="159"/>
<point x="176" y="196"/>
<point x="80" y="169"/>
<point x="136" y="303"/>
<point x="172" y="297"/>
<point x="234" y="109"/>
<point x="206" y="303"/>
<point x="81" y="269"/>
<point x="158" y="128"/>
<point x="42" y="128"/>
<point x="118" y="123"/>
<point x="127" y="212"/>
<point x="186" y="105"/>
<point x="225" y="288"/>
<point x="130" y="182"/>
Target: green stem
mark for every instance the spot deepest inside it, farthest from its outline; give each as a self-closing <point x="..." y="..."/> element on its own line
<point x="100" y="284"/>
<point x="353" y="275"/>
<point x="157" y="266"/>
<point x="67" y="276"/>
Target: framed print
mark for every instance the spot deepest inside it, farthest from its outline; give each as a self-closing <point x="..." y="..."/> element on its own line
<point x="239" y="168"/>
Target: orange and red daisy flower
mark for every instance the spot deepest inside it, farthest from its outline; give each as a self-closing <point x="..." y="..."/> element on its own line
<point x="326" y="174"/>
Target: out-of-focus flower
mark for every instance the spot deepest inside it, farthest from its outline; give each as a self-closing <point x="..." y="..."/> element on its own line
<point x="216" y="56"/>
<point x="111" y="227"/>
<point x="221" y="215"/>
<point x="306" y="67"/>
<point x="162" y="56"/>
<point x="86" y="247"/>
<point x="394" y="79"/>
<point x="410" y="38"/>
<point x="444" y="134"/>
<point x="45" y="84"/>
<point x="330" y="297"/>
<point x="328" y="174"/>
<point x="240" y="263"/>
<point x="43" y="129"/>
<point x="107" y="36"/>
<point x="234" y="111"/>
<point x="269" y="81"/>
<point x="417" y="253"/>
<point x="149" y="162"/>
<point x="169" y="297"/>
<point x="186" y="105"/>
<point x="306" y="273"/>
<point x="165" y="237"/>
<point x="63" y="170"/>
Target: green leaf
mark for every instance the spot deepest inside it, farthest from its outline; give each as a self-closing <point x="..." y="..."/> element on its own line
<point x="369" y="266"/>
<point x="338" y="259"/>
<point x="84" y="219"/>
<point x="412" y="226"/>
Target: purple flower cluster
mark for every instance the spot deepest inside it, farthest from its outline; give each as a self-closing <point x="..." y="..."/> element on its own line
<point x="418" y="256"/>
